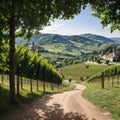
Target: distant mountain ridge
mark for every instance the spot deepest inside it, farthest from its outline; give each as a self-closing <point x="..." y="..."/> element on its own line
<point x="63" y="38"/>
<point x="97" y="37"/>
<point x="83" y="44"/>
<point x="56" y="38"/>
<point x="116" y="40"/>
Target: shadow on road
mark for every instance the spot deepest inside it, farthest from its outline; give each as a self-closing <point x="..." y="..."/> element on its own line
<point x="54" y="112"/>
<point x="38" y="110"/>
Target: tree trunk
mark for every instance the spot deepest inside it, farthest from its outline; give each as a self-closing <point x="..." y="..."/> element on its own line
<point x="108" y="78"/>
<point x="12" y="54"/>
<point x="18" y="89"/>
<point x="31" y="86"/>
<point x="2" y="76"/>
<point x="37" y="85"/>
<point x="7" y="77"/>
<point x="117" y="79"/>
<point x="44" y="86"/>
<point x="21" y="83"/>
<point x="52" y="87"/>
<point x="112" y="81"/>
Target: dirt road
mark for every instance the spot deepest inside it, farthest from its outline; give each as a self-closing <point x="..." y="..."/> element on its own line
<point x="69" y="105"/>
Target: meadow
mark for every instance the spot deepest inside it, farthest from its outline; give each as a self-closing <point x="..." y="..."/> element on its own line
<point x="107" y="99"/>
<point x="82" y="70"/>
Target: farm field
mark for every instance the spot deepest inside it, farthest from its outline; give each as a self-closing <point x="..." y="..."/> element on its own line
<point x="83" y="70"/>
<point x="107" y="99"/>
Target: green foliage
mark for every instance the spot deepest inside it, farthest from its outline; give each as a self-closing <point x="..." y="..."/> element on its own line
<point x="108" y="12"/>
<point x="107" y="62"/>
<point x="27" y="17"/>
<point x="4" y="54"/>
<point x="42" y="12"/>
<point x="95" y="58"/>
<point x="108" y="72"/>
<point x="32" y="66"/>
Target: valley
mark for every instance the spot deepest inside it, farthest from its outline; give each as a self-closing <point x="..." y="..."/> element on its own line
<point x="62" y="50"/>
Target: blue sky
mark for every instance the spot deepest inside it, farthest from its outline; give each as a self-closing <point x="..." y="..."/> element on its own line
<point x="81" y="24"/>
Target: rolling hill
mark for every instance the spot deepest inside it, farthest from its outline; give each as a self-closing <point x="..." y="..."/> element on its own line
<point x="85" y="43"/>
<point x="61" y="47"/>
<point x="116" y="40"/>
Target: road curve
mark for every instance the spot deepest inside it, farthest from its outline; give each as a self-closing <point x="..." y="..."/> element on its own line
<point x="69" y="105"/>
<point x="72" y="101"/>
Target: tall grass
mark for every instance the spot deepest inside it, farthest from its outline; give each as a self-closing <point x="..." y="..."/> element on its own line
<point x="107" y="99"/>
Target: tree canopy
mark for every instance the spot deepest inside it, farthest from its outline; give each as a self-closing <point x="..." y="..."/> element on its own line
<point x="108" y="11"/>
<point x="23" y="17"/>
<point x="33" y="15"/>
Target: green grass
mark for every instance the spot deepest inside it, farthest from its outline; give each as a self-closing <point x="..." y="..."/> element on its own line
<point x="55" y="47"/>
<point x="25" y="95"/>
<point x="77" y="71"/>
<point x="107" y="99"/>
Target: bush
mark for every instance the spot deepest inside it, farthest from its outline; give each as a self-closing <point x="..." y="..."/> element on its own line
<point x="107" y="62"/>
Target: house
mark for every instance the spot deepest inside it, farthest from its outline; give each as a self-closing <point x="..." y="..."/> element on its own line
<point x="32" y="46"/>
<point x="109" y="56"/>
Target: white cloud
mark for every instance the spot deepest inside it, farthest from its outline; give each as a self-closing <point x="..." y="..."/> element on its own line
<point x="53" y="28"/>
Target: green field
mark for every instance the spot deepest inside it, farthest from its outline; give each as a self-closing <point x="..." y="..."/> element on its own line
<point x="107" y="99"/>
<point x="77" y="71"/>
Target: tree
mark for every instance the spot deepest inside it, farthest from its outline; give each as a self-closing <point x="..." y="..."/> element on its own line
<point x="108" y="11"/>
<point x="27" y="16"/>
<point x="107" y="62"/>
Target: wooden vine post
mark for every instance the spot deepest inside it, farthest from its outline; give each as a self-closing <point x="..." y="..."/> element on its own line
<point x="102" y="80"/>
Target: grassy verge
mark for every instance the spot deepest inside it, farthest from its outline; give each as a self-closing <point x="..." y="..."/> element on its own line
<point x="107" y="99"/>
<point x="25" y="96"/>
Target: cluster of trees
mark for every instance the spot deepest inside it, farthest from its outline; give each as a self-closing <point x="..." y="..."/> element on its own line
<point x="22" y="18"/>
<point x="65" y="61"/>
<point x="112" y="74"/>
<point x="95" y="58"/>
<point x="117" y="52"/>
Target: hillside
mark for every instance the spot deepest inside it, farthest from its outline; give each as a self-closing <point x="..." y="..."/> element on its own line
<point x="58" y="48"/>
<point x="116" y="40"/>
<point x="75" y="45"/>
<point x="97" y="38"/>
<point x="81" y="71"/>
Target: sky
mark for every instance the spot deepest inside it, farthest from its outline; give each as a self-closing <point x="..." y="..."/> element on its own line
<point x="81" y="24"/>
